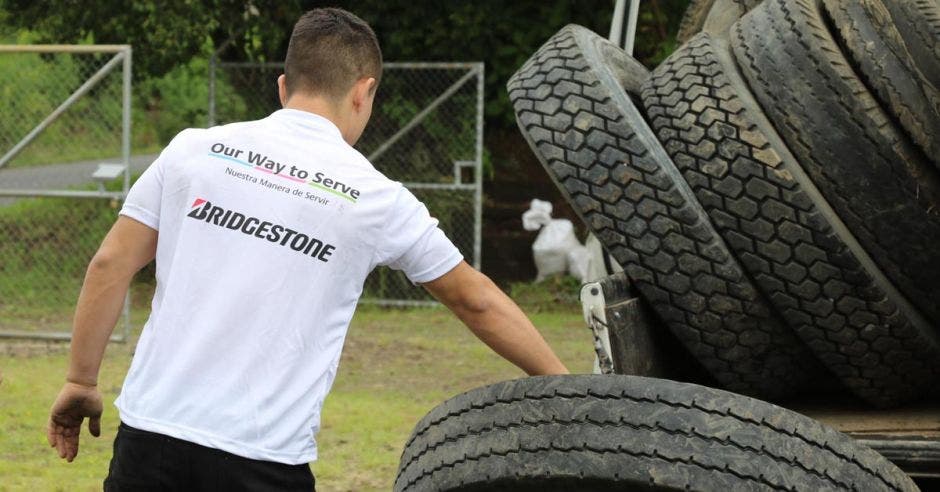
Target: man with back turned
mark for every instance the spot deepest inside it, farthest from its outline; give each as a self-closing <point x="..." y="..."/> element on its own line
<point x="263" y="234"/>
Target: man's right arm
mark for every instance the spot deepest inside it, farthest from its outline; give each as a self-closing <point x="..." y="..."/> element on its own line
<point x="126" y="249"/>
<point x="495" y="319"/>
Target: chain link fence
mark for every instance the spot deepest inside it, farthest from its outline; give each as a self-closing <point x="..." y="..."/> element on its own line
<point x="66" y="110"/>
<point x="426" y="131"/>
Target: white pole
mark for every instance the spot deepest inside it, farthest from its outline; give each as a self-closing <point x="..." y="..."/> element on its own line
<point x="631" y="26"/>
<point x="616" y="23"/>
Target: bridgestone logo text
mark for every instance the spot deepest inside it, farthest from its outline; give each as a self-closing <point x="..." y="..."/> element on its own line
<point x="251" y="226"/>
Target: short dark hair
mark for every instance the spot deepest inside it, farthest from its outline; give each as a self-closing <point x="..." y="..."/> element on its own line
<point x="330" y="49"/>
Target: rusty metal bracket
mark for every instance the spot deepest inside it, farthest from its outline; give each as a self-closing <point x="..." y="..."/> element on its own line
<point x="625" y="338"/>
<point x="595" y="315"/>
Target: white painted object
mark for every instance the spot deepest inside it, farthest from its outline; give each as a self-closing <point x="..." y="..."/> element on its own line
<point x="579" y="263"/>
<point x="554" y="242"/>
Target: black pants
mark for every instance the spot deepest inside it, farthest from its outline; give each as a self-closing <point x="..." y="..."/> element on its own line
<point x="146" y="461"/>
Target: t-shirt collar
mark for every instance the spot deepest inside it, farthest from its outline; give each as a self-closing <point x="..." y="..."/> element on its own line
<point x="306" y="120"/>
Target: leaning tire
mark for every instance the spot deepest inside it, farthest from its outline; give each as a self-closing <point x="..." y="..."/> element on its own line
<point x="588" y="135"/>
<point x="711" y="15"/>
<point x="920" y="30"/>
<point x="873" y="177"/>
<point x="795" y="248"/>
<point x="615" y="432"/>
<point x="874" y="45"/>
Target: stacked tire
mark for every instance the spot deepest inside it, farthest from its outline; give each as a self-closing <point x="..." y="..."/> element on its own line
<point x="772" y="189"/>
<point x="614" y="432"/>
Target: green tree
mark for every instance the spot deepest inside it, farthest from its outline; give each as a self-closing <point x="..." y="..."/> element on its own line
<point x="167" y="34"/>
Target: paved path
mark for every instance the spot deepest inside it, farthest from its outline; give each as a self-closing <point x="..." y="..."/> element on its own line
<point x="61" y="176"/>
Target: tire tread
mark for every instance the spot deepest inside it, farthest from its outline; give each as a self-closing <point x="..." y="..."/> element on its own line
<point x="562" y="426"/>
<point x="860" y="328"/>
<point x="865" y="168"/>
<point x="617" y="177"/>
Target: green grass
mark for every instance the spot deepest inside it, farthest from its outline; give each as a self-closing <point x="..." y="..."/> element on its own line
<point x="555" y="293"/>
<point x="397" y="365"/>
<point x="46" y="247"/>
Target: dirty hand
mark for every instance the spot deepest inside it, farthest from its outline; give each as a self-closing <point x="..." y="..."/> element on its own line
<point x="74" y="403"/>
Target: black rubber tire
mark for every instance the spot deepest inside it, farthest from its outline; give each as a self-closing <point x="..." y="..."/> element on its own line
<point x="875" y="179"/>
<point x="585" y="130"/>
<point x="696" y="15"/>
<point x="693" y="19"/>
<point x="776" y="223"/>
<point x="919" y="22"/>
<point x="872" y="41"/>
<point x="616" y="432"/>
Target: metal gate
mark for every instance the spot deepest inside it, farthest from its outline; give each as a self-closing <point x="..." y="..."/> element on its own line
<point x="426" y="131"/>
<point x="64" y="170"/>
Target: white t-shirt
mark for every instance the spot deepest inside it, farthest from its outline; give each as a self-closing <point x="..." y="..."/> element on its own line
<point x="267" y="231"/>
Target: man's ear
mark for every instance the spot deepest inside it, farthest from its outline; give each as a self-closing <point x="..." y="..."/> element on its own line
<point x="282" y="89"/>
<point x="362" y="91"/>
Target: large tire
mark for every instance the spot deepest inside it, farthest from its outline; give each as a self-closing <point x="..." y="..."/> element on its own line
<point x="693" y="19"/>
<point x="793" y="245"/>
<point x="920" y="29"/>
<point x="588" y="135"/>
<point x="873" y="177"/>
<point x="873" y="43"/>
<point x="711" y="16"/>
<point x="615" y="432"/>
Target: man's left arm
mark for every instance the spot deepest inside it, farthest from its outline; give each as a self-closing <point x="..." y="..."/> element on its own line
<point x="495" y="319"/>
<point x="128" y="246"/>
<point x="413" y="242"/>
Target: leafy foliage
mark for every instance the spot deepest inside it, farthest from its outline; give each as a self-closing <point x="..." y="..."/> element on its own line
<point x="173" y="40"/>
<point x="179" y="99"/>
<point x="163" y="34"/>
<point x="503" y="34"/>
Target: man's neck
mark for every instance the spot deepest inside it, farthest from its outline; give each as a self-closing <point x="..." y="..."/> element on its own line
<point x="320" y="107"/>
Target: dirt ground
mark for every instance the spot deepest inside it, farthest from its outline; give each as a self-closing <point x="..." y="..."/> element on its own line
<point x="396" y="366"/>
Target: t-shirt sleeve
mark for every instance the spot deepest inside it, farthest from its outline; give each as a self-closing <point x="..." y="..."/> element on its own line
<point x="413" y="243"/>
<point x="143" y="199"/>
<point x="146" y="195"/>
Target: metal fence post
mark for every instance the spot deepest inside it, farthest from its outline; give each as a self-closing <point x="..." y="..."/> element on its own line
<point x="126" y="155"/>
<point x="126" y="118"/>
<point x="52" y="117"/>
<point x="211" y="112"/>
<point x="478" y="180"/>
<point x="53" y="142"/>
<point x="631" y="26"/>
<point x="616" y="23"/>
